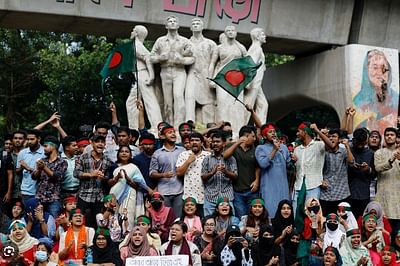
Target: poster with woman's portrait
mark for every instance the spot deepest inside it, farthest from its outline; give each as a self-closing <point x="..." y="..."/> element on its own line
<point x="374" y="79"/>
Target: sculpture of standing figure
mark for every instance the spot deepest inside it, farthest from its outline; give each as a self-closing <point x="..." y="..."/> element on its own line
<point x="228" y="109"/>
<point x="254" y="95"/>
<point x="173" y="52"/>
<point x="145" y="80"/>
<point x="198" y="90"/>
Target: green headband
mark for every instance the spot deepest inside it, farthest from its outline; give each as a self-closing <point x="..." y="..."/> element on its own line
<point x="257" y="201"/>
<point x="103" y="231"/>
<point x="51" y="143"/>
<point x="222" y="199"/>
<point x="190" y="199"/>
<point x="107" y="198"/>
<point x="369" y="215"/>
<point x="142" y="219"/>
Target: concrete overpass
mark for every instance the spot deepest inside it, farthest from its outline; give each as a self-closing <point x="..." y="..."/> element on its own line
<point x="298" y="27"/>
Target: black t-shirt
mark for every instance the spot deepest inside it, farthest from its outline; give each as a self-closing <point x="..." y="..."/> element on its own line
<point x="6" y="163"/>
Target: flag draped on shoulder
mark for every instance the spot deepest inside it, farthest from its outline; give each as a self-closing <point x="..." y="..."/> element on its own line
<point x="120" y="60"/>
<point x="236" y="75"/>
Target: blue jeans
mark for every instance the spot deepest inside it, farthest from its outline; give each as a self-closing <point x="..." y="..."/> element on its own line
<point x="54" y="208"/>
<point x="242" y="202"/>
<point x="311" y="193"/>
<point x="209" y="207"/>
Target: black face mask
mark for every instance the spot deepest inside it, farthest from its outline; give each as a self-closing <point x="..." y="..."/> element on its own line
<point x="332" y="226"/>
<point x="344" y="217"/>
<point x="313" y="209"/>
<point x="293" y="245"/>
<point x="156" y="205"/>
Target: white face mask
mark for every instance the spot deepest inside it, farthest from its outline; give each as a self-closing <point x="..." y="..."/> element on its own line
<point x="41" y="256"/>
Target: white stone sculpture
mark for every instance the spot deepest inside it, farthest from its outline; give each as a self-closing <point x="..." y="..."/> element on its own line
<point x="254" y="95"/>
<point x="199" y="97"/>
<point x="228" y="109"/>
<point x="173" y="52"/>
<point x="145" y="79"/>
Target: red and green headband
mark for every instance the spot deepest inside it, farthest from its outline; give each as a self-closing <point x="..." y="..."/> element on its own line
<point x="266" y="129"/>
<point x="332" y="216"/>
<point x="353" y="232"/>
<point x="75" y="211"/>
<point x="222" y="200"/>
<point x="143" y="219"/>
<point x="368" y="216"/>
<point x="257" y="201"/>
<point x="103" y="231"/>
<point x="190" y="199"/>
<point x="344" y="208"/>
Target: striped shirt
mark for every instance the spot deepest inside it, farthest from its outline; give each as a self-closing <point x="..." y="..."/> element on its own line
<point x="218" y="185"/>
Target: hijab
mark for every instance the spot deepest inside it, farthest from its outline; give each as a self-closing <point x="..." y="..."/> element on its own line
<point x="25" y="243"/>
<point x="351" y="255"/>
<point x="143" y="249"/>
<point x="374" y="205"/>
<point x="279" y="223"/>
<point x="339" y="261"/>
<point x="106" y="254"/>
<point x="266" y="247"/>
<point x="351" y="220"/>
<point x="31" y="205"/>
<point x="332" y="238"/>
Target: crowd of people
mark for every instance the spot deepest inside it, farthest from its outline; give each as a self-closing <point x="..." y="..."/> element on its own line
<point x="328" y="198"/>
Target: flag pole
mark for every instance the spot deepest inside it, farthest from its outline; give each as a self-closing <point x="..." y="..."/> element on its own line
<point x="136" y="69"/>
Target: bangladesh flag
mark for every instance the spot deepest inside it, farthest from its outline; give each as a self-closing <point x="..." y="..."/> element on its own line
<point x="120" y="60"/>
<point x="236" y="75"/>
<point x="303" y="249"/>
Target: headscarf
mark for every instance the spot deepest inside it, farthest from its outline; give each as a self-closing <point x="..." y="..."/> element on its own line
<point x="351" y="220"/>
<point x="266" y="247"/>
<point x="31" y="205"/>
<point x="143" y="249"/>
<point x="378" y="233"/>
<point x="279" y="223"/>
<point x="392" y="254"/>
<point x="351" y="255"/>
<point x="27" y="242"/>
<point x="290" y="249"/>
<point x="332" y="238"/>
<point x="374" y="205"/>
<point x="160" y="215"/>
<point x="106" y="254"/>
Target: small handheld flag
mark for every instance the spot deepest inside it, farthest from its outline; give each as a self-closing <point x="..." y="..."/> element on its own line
<point x="236" y="75"/>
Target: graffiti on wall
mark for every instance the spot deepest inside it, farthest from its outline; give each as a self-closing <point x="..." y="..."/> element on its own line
<point x="236" y="10"/>
<point x="375" y="91"/>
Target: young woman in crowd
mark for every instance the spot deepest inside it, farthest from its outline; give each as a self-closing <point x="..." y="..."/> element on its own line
<point x="39" y="223"/>
<point x="178" y="245"/>
<point x="153" y="238"/>
<point x="332" y="257"/>
<point x="162" y="216"/>
<point x="17" y="211"/>
<point x="352" y="250"/>
<point x="388" y="257"/>
<point x="235" y="251"/>
<point x="345" y="213"/>
<point x="224" y="216"/>
<point x="125" y="181"/>
<point x="373" y="237"/>
<point x="137" y="245"/>
<point x="268" y="253"/>
<point x="333" y="235"/>
<point x="62" y="221"/>
<point x="190" y="218"/>
<point x="42" y="255"/>
<point x="258" y="215"/>
<point x="111" y="219"/>
<point x="374" y="207"/>
<point x="103" y="251"/>
<point x="21" y="238"/>
<point x="290" y="249"/>
<point x="396" y="245"/>
<point x="283" y="223"/>
<point x="205" y="241"/>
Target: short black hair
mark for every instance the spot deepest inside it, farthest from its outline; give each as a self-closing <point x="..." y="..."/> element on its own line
<point x="219" y="135"/>
<point x="246" y="130"/>
<point x="35" y="132"/>
<point x="390" y="129"/>
<point x="8" y="137"/>
<point x="182" y="224"/>
<point x="102" y="124"/>
<point x="22" y="132"/>
<point x="196" y="135"/>
<point x="52" y="139"/>
<point x="124" y="129"/>
<point x="360" y="135"/>
<point x="335" y="131"/>
<point x="67" y="140"/>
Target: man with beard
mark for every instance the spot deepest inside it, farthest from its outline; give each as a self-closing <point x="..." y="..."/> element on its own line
<point x="361" y="172"/>
<point x="189" y="165"/>
<point x="162" y="169"/>
<point x="387" y="165"/>
<point x="26" y="164"/>
<point x="217" y="174"/>
<point x="178" y="245"/>
<point x="90" y="169"/>
<point x="74" y="242"/>
<point x="49" y="174"/>
<point x="18" y="142"/>
<point x="143" y="159"/>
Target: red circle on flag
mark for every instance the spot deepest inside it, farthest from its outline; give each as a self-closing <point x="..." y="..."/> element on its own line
<point x="234" y="77"/>
<point x="115" y="60"/>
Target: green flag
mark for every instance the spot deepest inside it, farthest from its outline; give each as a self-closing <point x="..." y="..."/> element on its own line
<point x="304" y="245"/>
<point x="236" y="75"/>
<point x="119" y="60"/>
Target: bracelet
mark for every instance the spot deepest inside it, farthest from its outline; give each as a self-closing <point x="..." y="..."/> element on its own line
<point x="42" y="221"/>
